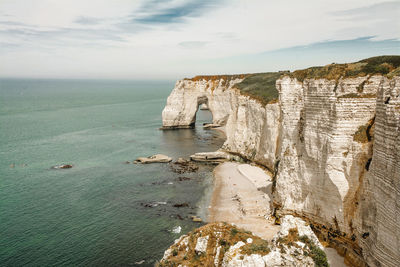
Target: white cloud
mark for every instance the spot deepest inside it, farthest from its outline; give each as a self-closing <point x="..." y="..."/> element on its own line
<point x="143" y="39"/>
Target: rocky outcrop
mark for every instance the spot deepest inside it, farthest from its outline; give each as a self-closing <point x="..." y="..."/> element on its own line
<point x="188" y="95"/>
<point x="333" y="146"/>
<point x="221" y="244"/>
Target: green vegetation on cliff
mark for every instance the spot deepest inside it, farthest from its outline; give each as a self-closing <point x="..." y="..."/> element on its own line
<point x="261" y="86"/>
<point x="385" y="65"/>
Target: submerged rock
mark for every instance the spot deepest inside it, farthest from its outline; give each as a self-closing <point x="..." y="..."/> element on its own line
<point x="184" y="179"/>
<point x="158" y="158"/>
<point x="183" y="165"/>
<point x="180" y="205"/>
<point x="153" y="204"/>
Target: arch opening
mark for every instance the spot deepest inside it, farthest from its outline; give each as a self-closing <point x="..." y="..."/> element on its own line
<point x="203" y="113"/>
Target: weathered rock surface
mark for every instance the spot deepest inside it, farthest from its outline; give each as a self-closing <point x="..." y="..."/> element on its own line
<point x="332" y="145"/>
<point x="213" y="157"/>
<point x="160" y="158"/>
<point x="188" y="95"/>
<point x="221" y="244"/>
<point x="378" y="219"/>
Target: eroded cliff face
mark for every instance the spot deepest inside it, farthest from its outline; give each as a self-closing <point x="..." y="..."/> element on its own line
<point x="333" y="146"/>
<point x="322" y="163"/>
<point x="379" y="215"/>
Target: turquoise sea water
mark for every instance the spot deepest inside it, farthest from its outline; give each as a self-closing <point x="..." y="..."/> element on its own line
<point x="94" y="214"/>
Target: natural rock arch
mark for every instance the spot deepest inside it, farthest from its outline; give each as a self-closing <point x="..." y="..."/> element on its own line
<point x="184" y="101"/>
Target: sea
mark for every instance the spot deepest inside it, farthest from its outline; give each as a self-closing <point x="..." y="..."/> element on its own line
<point x="103" y="211"/>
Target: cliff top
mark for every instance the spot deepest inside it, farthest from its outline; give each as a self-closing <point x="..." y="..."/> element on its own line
<point x="385" y="65"/>
<point x="261" y="86"/>
<point x="226" y="77"/>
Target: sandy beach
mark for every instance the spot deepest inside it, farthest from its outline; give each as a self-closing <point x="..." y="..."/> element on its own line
<point x="242" y="196"/>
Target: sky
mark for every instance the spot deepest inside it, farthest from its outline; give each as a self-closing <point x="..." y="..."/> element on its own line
<point x="172" y="39"/>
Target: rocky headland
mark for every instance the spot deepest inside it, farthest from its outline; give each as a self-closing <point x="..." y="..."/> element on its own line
<point x="330" y="138"/>
<point x="222" y="244"/>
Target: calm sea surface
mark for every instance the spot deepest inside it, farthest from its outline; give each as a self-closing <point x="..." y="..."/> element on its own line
<point x="97" y="213"/>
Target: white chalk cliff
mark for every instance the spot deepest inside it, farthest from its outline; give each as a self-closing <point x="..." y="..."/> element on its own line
<point x="332" y="145"/>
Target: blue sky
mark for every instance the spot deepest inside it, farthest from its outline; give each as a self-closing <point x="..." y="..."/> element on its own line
<point x="171" y="39"/>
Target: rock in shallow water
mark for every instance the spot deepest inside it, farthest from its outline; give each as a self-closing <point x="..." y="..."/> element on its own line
<point x="176" y="230"/>
<point x="213" y="157"/>
<point x="196" y="219"/>
<point x="158" y="158"/>
<point x="62" y="166"/>
<point x="182" y="166"/>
